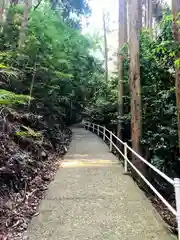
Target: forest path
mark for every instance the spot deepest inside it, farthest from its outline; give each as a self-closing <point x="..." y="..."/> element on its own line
<point x="90" y="198"/>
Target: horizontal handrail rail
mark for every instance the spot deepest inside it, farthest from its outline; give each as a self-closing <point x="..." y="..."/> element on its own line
<point x="115" y="136"/>
<point x="163" y="175"/>
<point x="153" y="189"/>
<point x="175" y="182"/>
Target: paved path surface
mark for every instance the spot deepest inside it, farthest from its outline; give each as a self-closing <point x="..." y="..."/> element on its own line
<point x="90" y="198"/>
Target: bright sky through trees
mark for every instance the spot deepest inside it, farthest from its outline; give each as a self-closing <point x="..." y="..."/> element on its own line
<point x="110" y="6"/>
<point x="94" y="24"/>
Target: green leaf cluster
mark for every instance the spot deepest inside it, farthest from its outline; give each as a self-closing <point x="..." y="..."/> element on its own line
<point x="54" y="66"/>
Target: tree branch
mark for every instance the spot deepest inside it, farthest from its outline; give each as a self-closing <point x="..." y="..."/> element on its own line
<point x="39" y="2"/>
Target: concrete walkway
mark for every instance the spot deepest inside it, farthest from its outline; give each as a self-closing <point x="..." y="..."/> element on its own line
<point x="90" y="198"/>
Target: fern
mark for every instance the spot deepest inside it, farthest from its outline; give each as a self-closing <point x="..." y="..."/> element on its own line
<point x="28" y="133"/>
<point x="10" y="98"/>
<point x="63" y="75"/>
<point x="7" y="71"/>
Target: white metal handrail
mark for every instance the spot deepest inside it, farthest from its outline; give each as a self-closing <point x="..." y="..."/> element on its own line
<point x="168" y="179"/>
<point x="115" y="136"/>
<point x="175" y="182"/>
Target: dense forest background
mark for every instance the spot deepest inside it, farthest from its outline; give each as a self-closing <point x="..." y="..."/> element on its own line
<point x="50" y="79"/>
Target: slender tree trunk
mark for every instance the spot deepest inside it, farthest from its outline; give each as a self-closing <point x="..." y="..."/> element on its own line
<point x="150" y="14"/>
<point x="122" y="39"/>
<point x="146" y="12"/>
<point x="105" y="47"/>
<point x="135" y="85"/>
<point x="148" y="1"/>
<point x="24" y="26"/>
<point x="176" y="33"/>
<point x="2" y="6"/>
<point x="143" y="13"/>
<point x="140" y="13"/>
<point x="150" y="18"/>
<point x="32" y="85"/>
<point x="128" y="23"/>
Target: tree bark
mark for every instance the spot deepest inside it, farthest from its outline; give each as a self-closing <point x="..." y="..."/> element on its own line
<point x="128" y="22"/>
<point x="135" y="85"/>
<point x="176" y="33"/>
<point x="146" y="12"/>
<point x="140" y="13"/>
<point x="150" y="14"/>
<point x="105" y="47"/>
<point x="24" y="27"/>
<point x="2" y="6"/>
<point x="122" y="38"/>
<point x="150" y="18"/>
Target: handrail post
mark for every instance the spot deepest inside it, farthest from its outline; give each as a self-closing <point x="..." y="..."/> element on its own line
<point x="98" y="130"/>
<point x="110" y="141"/>
<point x="104" y="133"/>
<point x="177" y="196"/>
<point x="88" y="125"/>
<point x="125" y="158"/>
<point x="93" y="127"/>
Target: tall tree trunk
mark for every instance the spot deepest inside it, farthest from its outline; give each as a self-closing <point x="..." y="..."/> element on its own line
<point x="146" y="12"/>
<point x="135" y="85"/>
<point x="32" y="85"/>
<point x="105" y="47"/>
<point x="24" y="26"/>
<point x="150" y="13"/>
<point x="176" y="33"/>
<point x="140" y="13"/>
<point x="126" y="21"/>
<point x="150" y="18"/>
<point x="2" y="6"/>
<point x="122" y="39"/>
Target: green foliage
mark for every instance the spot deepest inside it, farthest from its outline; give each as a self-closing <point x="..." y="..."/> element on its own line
<point x="157" y="62"/>
<point x="10" y="98"/>
<point x="177" y="63"/>
<point x="28" y="132"/>
<point x="71" y="10"/>
<point x="54" y="66"/>
<point x="57" y="68"/>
